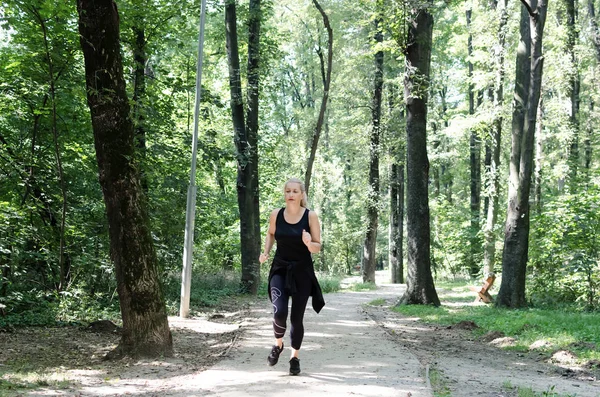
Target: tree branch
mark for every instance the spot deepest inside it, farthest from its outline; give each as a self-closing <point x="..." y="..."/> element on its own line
<point x="529" y="9"/>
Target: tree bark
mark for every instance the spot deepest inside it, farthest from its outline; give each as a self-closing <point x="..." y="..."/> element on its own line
<point x="145" y="327"/>
<point x="400" y="235"/>
<point x="588" y="141"/>
<point x="393" y="228"/>
<point x="539" y="156"/>
<point x="370" y="252"/>
<point x="326" y="77"/>
<point x="475" y="167"/>
<point x="595" y="30"/>
<point x="246" y="140"/>
<point x="140" y="58"/>
<point x="446" y="175"/>
<point x="573" y="90"/>
<point x="396" y="191"/>
<point x="489" y="256"/>
<point x="420" y="286"/>
<point x="516" y="238"/>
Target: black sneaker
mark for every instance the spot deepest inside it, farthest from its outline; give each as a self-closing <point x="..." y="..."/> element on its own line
<point x="274" y="355"/>
<point x="294" y="366"/>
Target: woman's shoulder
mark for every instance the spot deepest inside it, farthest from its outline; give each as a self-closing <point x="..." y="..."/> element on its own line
<point x="312" y="214"/>
<point x="274" y="213"/>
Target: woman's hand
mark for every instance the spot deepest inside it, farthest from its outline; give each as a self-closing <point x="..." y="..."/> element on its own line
<point x="306" y="238"/>
<point x="263" y="257"/>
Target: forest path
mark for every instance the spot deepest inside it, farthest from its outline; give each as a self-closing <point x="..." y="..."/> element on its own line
<point x="344" y="353"/>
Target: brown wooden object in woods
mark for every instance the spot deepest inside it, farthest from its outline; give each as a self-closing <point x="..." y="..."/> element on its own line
<point x="483" y="293"/>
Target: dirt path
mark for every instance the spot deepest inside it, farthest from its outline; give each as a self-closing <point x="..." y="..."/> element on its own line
<point x="470" y="367"/>
<point x="350" y="349"/>
<point x="344" y="354"/>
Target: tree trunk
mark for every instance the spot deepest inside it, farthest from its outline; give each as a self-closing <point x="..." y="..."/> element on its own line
<point x="393" y="228"/>
<point x="420" y="286"/>
<point x="595" y="31"/>
<point x="516" y="239"/>
<point x="400" y="234"/>
<point x="370" y="252"/>
<point x="145" y="327"/>
<point x="539" y="156"/>
<point x="588" y="141"/>
<point x="246" y="140"/>
<point x="64" y="262"/>
<point x="489" y="257"/>
<point x="140" y="58"/>
<point x="475" y="167"/>
<point x="326" y="77"/>
<point x="446" y="175"/>
<point x="573" y="90"/>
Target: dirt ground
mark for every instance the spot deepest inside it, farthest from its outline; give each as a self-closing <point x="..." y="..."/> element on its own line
<point x="467" y="366"/>
<point x="67" y="359"/>
<point x="233" y="341"/>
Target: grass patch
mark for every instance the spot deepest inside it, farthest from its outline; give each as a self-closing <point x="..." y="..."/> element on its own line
<point x="329" y="283"/>
<point x="377" y="302"/>
<point x="26" y="379"/>
<point x="439" y="384"/>
<point x="359" y="287"/>
<point x="527" y="392"/>
<point x="562" y="329"/>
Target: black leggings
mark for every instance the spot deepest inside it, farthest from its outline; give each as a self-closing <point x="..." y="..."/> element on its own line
<point x="280" y="298"/>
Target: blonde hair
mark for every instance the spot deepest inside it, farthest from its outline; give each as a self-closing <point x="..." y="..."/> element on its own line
<point x="304" y="200"/>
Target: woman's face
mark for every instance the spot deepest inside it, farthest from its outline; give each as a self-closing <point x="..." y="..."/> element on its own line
<point x="293" y="193"/>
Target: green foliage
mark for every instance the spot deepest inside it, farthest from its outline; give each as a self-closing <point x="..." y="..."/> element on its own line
<point x="377" y="302"/>
<point x="439" y="384"/>
<point x="565" y="251"/>
<point x="329" y="283"/>
<point x="207" y="290"/>
<point x="358" y="287"/>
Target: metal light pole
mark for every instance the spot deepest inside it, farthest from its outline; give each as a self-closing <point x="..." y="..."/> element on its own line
<point x="190" y="214"/>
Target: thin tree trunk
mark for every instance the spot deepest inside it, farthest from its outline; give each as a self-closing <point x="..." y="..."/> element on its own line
<point x="326" y="77"/>
<point x="64" y="264"/>
<point x="489" y="257"/>
<point x="393" y="228"/>
<point x="573" y="90"/>
<point x="420" y="287"/>
<point x="446" y="175"/>
<point x="588" y="142"/>
<point x="595" y="30"/>
<point x="396" y="166"/>
<point x="246" y="140"/>
<point x="539" y="157"/>
<point x="145" y="327"/>
<point x="516" y="240"/>
<point x="370" y="252"/>
<point x="400" y="233"/>
<point x="475" y="166"/>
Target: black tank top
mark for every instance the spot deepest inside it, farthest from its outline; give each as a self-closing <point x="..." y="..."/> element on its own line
<point x="290" y="246"/>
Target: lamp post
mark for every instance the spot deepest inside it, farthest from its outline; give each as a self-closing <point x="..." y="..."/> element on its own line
<point x="190" y="213"/>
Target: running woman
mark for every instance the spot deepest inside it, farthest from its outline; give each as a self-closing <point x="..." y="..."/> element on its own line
<point x="298" y="234"/>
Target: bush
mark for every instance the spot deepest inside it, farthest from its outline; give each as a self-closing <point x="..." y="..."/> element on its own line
<point x="565" y="251"/>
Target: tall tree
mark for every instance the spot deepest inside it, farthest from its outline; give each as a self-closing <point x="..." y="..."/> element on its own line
<point x="420" y="287"/>
<point x="145" y="327"/>
<point x="396" y="227"/>
<point x="489" y="255"/>
<point x="574" y="87"/>
<point x="369" y="252"/>
<point x="326" y="79"/>
<point x="246" y="138"/>
<point x="474" y="161"/>
<point x="528" y="76"/>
